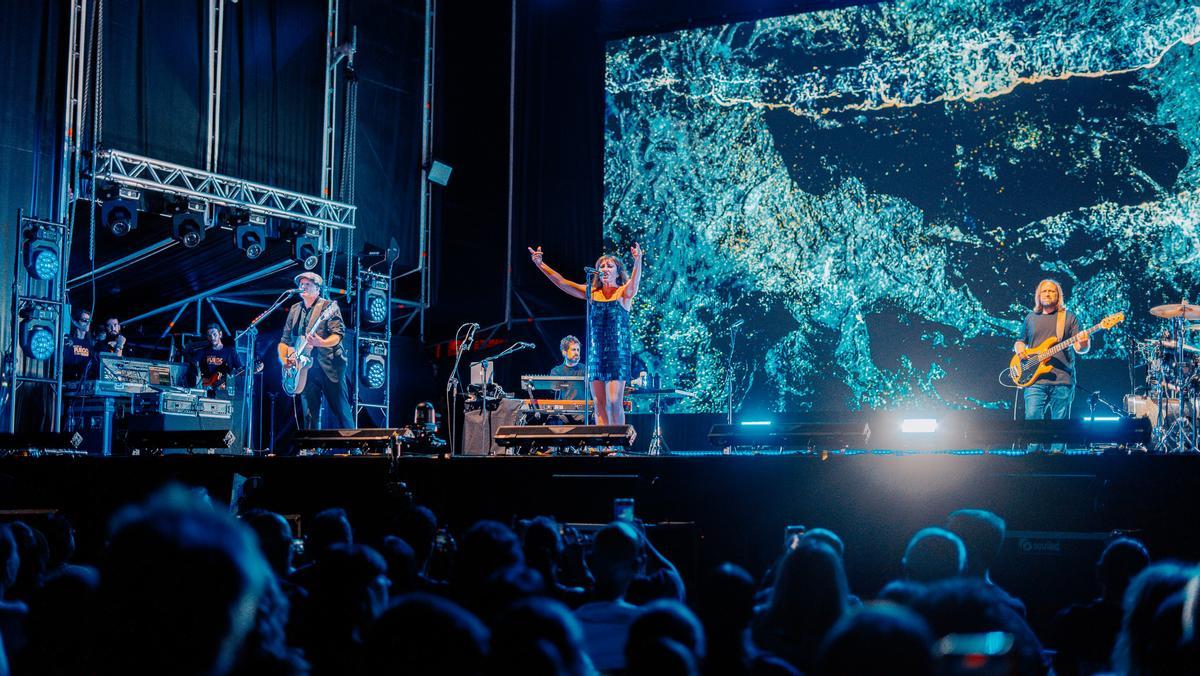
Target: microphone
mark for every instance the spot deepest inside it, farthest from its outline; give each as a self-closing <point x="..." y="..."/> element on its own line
<point x="589" y="271"/>
<point x="526" y="346"/>
<point x="737" y="324"/>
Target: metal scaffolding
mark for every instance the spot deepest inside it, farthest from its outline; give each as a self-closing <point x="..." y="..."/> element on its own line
<point x="122" y="168"/>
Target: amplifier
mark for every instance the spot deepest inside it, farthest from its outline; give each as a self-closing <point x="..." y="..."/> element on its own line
<point x="182" y="403"/>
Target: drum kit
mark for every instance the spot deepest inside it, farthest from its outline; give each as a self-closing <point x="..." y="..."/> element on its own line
<point x="1171" y="398"/>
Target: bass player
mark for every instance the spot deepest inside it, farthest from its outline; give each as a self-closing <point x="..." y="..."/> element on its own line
<point x="1050" y="396"/>
<point x="328" y="374"/>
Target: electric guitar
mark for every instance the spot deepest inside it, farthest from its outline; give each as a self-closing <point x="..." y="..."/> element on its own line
<point x="295" y="376"/>
<point x="218" y="380"/>
<point x="1024" y="372"/>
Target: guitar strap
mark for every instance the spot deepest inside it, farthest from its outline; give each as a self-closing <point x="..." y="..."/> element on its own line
<point x="1061" y="324"/>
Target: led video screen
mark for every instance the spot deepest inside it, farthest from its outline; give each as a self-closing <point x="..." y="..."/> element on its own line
<point x="875" y="191"/>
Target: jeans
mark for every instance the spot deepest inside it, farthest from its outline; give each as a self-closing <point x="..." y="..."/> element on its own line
<point x="1047" y="401"/>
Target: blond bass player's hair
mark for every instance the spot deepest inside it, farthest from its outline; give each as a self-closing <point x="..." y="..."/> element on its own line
<point x="1062" y="297"/>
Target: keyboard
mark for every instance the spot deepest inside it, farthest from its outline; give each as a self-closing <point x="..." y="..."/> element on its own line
<point x="562" y="405"/>
<point x="542" y="382"/>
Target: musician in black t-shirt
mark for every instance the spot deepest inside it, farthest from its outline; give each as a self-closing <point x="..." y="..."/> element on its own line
<point x="1050" y="396"/>
<point x="112" y="340"/>
<point x="79" y="353"/>
<point x="216" y="363"/>
<point x="570" y="366"/>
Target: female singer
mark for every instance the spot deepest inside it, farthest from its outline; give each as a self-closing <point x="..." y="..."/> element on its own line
<point x="608" y="353"/>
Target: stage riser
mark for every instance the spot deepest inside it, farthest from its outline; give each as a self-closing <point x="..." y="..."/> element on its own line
<point x="740" y="504"/>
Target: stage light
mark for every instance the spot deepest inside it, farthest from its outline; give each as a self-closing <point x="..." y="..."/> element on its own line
<point x="249" y="231"/>
<point x="755" y="423"/>
<point x="187" y="225"/>
<point x="373" y="298"/>
<point x="918" y="426"/>
<point x="251" y="239"/>
<point x="38" y="328"/>
<point x="119" y="209"/>
<point x="374" y="372"/>
<point x="372" y="366"/>
<point x="306" y="242"/>
<point x="42" y="251"/>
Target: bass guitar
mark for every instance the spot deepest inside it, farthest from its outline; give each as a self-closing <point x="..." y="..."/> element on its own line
<point x="299" y="358"/>
<point x="1023" y="372"/>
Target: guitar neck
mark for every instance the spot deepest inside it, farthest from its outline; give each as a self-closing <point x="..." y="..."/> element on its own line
<point x="1070" y="341"/>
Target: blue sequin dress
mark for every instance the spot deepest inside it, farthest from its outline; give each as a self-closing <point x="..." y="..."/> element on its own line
<point x="608" y="354"/>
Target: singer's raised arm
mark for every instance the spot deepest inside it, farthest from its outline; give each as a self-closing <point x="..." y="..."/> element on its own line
<point x="570" y="288"/>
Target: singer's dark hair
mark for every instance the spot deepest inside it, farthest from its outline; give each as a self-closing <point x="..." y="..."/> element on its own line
<point x="622" y="275"/>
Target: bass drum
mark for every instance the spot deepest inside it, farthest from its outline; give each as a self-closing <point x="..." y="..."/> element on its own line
<point x="1140" y="406"/>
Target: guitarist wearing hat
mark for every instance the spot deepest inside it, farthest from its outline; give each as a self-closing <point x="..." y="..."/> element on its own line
<point x="1049" y="397"/>
<point x="319" y="322"/>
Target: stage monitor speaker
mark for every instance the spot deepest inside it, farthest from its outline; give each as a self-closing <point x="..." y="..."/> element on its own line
<point x="195" y="433"/>
<point x="814" y="436"/>
<point x="33" y="442"/>
<point x="140" y="440"/>
<point x="384" y="440"/>
<point x="1073" y="432"/>
<point x="531" y="436"/>
<point x="479" y="426"/>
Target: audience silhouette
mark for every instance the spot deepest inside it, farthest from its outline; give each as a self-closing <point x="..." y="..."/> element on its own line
<point x="185" y="588"/>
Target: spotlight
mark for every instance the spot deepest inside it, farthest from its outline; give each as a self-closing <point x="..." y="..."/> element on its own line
<point x="249" y="232"/>
<point x="38" y="327"/>
<point x="187" y="224"/>
<point x="372" y="367"/>
<point x="119" y="209"/>
<point x="373" y="290"/>
<point x="306" y="243"/>
<point x="42" y="249"/>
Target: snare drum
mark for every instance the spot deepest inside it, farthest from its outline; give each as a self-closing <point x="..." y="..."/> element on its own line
<point x="1140" y="406"/>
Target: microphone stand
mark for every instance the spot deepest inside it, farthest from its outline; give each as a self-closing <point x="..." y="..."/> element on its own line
<point x="733" y="332"/>
<point x="590" y="274"/>
<point x="251" y="333"/>
<point x="453" y="382"/>
<point x="484" y="364"/>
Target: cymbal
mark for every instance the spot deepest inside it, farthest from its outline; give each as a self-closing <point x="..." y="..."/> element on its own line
<point x="1173" y="310"/>
<point x="1171" y="345"/>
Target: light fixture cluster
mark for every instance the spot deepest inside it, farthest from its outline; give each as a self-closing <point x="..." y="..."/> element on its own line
<point x="192" y="218"/>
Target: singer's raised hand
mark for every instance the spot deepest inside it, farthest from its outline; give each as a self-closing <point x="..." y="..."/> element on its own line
<point x="571" y="288"/>
<point x="536" y="256"/>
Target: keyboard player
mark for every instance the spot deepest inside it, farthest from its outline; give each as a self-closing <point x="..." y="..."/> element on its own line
<point x="570" y="366"/>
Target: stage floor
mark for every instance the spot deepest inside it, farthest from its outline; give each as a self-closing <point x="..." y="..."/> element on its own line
<point x="1060" y="508"/>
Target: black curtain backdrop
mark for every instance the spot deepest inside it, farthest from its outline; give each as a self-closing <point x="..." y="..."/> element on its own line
<point x="272" y="77"/>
